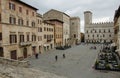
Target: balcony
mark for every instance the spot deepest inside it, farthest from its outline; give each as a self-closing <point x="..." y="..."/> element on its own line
<point x="25" y="43"/>
<point x="49" y="40"/>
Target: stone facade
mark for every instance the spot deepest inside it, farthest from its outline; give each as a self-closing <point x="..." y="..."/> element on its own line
<point x="117" y="29"/>
<point x="18" y="29"/>
<point x="98" y="32"/>
<point x="58" y="32"/>
<point x="48" y="36"/>
<point x="40" y="33"/>
<point x="54" y="14"/>
<point x="75" y="30"/>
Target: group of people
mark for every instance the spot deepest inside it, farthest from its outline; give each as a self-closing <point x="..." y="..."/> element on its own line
<point x="56" y="57"/>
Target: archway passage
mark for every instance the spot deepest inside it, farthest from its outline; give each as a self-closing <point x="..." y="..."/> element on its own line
<point x="1" y="52"/>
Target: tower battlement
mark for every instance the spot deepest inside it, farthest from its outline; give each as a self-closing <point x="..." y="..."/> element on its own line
<point x="103" y="22"/>
<point x="88" y="19"/>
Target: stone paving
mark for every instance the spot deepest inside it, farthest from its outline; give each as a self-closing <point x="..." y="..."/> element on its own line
<point x="7" y="71"/>
<point x="77" y="64"/>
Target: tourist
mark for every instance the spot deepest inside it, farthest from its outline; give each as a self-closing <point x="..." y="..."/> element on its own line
<point x="36" y="55"/>
<point x="63" y="55"/>
<point x="56" y="57"/>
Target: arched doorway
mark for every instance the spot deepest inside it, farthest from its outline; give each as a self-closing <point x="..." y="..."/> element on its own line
<point x="25" y="52"/>
<point x="1" y="52"/>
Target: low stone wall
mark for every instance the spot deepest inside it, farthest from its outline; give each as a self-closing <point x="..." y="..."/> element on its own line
<point x="14" y="62"/>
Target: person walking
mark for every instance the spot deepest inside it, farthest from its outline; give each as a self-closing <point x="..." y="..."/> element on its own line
<point x="56" y="57"/>
<point x="36" y="55"/>
<point x="63" y="55"/>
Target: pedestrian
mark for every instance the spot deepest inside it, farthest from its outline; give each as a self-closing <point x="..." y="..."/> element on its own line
<point x="36" y="55"/>
<point x="56" y="57"/>
<point x="63" y="55"/>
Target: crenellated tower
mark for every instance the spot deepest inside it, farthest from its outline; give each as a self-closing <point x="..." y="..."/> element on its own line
<point x="87" y="17"/>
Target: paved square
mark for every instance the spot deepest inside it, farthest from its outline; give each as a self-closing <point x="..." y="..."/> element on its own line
<point x="77" y="64"/>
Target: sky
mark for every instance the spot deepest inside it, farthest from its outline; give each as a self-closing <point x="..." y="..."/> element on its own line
<point x="103" y="10"/>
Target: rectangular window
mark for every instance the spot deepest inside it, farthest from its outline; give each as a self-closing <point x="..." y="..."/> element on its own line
<point x="87" y="31"/>
<point x="27" y="22"/>
<point x="20" y="9"/>
<point x="33" y="24"/>
<point x="99" y="31"/>
<point x="38" y="21"/>
<point x="33" y="37"/>
<point x="20" y="21"/>
<point x="97" y="35"/>
<point x="0" y="17"/>
<point x="103" y="35"/>
<point x="0" y="36"/>
<point x="44" y="28"/>
<point x="40" y="29"/>
<point x="44" y="36"/>
<point x="28" y="39"/>
<point x="41" y="38"/>
<point x="21" y="38"/>
<point x="12" y="20"/>
<point x="11" y="6"/>
<point x="110" y="35"/>
<point x="13" y="38"/>
<point x="32" y="13"/>
<point x="27" y="12"/>
<point x="38" y="38"/>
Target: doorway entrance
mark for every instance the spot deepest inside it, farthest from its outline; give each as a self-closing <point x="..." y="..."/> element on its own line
<point x="13" y="54"/>
<point x="25" y="52"/>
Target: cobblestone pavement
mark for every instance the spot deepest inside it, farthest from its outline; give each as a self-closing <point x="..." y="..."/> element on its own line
<point x="77" y="64"/>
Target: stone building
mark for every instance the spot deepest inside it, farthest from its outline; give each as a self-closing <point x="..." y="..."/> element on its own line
<point x="40" y="33"/>
<point x="17" y="29"/>
<point x="58" y="32"/>
<point x="48" y="36"/>
<point x="117" y="29"/>
<point x="75" y="30"/>
<point x="97" y="32"/>
<point x="61" y="16"/>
